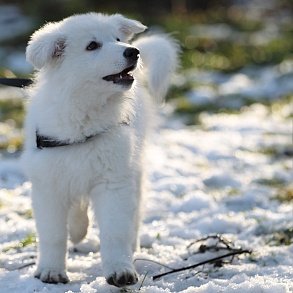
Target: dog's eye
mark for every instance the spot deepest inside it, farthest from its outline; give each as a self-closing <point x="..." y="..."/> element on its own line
<point x="118" y="40"/>
<point x="93" y="46"/>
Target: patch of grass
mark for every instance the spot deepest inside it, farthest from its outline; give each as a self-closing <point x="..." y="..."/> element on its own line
<point x="277" y="151"/>
<point x="192" y="111"/>
<point x="271" y="182"/>
<point x="180" y="90"/>
<point x="281" y="107"/>
<point x="28" y="214"/>
<point x="231" y="104"/>
<point x="30" y="239"/>
<point x="227" y="54"/>
<point x="11" y="144"/>
<point x="12" y="109"/>
<point x="285" y="194"/>
<point x="11" y="122"/>
<point x="233" y="192"/>
<point x="282" y="237"/>
<point x="158" y="237"/>
<point x="184" y="105"/>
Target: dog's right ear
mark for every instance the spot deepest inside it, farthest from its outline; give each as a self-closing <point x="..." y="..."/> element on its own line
<point x="46" y="45"/>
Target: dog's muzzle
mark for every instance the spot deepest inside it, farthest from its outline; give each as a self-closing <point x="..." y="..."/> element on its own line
<point x="125" y="77"/>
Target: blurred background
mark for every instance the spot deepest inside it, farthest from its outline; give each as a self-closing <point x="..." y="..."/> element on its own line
<point x="234" y="53"/>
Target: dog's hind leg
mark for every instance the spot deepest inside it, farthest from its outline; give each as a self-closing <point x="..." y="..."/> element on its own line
<point x="78" y="221"/>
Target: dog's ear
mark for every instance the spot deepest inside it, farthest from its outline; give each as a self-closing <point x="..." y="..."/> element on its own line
<point x="129" y="27"/>
<point x="46" y="45"/>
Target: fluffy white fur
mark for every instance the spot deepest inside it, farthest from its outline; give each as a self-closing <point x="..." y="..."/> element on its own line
<point x="70" y="100"/>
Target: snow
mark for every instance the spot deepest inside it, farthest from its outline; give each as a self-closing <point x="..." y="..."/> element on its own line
<point x="203" y="180"/>
<point x="233" y="90"/>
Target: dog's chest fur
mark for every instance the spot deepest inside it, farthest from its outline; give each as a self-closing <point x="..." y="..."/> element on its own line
<point x="82" y="167"/>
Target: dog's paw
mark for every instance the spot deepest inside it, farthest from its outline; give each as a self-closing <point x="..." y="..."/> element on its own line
<point x="123" y="278"/>
<point x="51" y="276"/>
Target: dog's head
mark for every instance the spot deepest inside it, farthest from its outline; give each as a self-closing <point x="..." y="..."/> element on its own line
<point x="89" y="49"/>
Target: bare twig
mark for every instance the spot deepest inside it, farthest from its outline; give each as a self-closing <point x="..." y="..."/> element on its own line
<point x="27" y="265"/>
<point x="143" y="281"/>
<point x="22" y="266"/>
<point x="220" y="238"/>
<point x="212" y="260"/>
<point x="153" y="261"/>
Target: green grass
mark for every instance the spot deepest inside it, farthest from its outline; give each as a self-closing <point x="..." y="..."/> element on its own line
<point x="228" y="54"/>
<point x="282" y="237"/>
<point x="13" y="110"/>
<point x="271" y="182"/>
<point x="285" y="194"/>
<point x="277" y="151"/>
<point x="12" y="115"/>
<point x="29" y="240"/>
<point x="28" y="214"/>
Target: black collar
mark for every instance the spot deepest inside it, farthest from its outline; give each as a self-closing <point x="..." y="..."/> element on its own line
<point x="17" y="82"/>
<point x="50" y="142"/>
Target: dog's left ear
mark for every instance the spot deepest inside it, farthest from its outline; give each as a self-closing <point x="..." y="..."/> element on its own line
<point x="129" y="27"/>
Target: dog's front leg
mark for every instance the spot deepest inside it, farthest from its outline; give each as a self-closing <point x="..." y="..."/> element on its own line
<point x="51" y="220"/>
<point x="115" y="210"/>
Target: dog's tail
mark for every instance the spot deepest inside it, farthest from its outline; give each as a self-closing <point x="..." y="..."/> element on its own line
<point x="159" y="54"/>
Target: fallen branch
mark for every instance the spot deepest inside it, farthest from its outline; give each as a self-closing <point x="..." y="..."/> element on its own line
<point x="25" y="265"/>
<point x="220" y="240"/>
<point x="209" y="261"/>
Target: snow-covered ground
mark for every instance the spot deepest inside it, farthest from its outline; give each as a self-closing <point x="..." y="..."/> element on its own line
<point x="224" y="176"/>
<point x="231" y="174"/>
<point x="251" y="84"/>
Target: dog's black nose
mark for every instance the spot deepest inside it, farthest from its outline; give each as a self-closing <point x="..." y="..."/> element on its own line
<point x="131" y="54"/>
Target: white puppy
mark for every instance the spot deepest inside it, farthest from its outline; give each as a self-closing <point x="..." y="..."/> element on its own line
<point x="85" y="131"/>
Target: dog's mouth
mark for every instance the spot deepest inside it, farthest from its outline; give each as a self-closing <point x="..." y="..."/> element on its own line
<point x="124" y="77"/>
